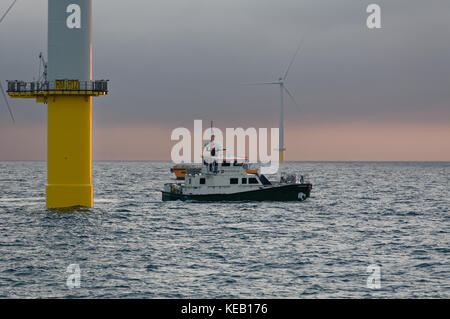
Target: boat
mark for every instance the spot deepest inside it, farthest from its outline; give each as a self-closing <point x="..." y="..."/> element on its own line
<point x="227" y="179"/>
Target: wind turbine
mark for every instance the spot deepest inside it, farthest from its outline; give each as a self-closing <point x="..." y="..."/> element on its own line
<point x="283" y="88"/>
<point x="1" y="86"/>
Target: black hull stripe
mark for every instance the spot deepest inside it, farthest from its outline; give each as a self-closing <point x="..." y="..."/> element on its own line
<point x="280" y="193"/>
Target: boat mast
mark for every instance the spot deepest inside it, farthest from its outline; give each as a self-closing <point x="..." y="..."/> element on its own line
<point x="281" y="137"/>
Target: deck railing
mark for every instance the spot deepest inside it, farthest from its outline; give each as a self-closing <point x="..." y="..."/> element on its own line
<point x="57" y="85"/>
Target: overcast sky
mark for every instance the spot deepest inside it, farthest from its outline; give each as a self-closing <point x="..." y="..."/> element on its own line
<point x="173" y="61"/>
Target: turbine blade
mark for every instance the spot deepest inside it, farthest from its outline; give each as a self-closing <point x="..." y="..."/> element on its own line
<point x="291" y="96"/>
<point x="293" y="59"/>
<point x="7" y="104"/>
<point x="10" y="7"/>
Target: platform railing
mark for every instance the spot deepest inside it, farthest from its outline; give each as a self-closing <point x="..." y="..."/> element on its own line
<point x="57" y="85"/>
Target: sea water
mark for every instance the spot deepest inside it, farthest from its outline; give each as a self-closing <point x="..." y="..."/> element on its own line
<point x="394" y="216"/>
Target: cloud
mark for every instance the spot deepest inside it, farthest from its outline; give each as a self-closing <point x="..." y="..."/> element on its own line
<point x="171" y="62"/>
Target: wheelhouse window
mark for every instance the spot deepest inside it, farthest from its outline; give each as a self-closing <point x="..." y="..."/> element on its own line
<point x="202" y="181"/>
<point x="244" y="180"/>
<point x="234" y="181"/>
<point x="252" y="180"/>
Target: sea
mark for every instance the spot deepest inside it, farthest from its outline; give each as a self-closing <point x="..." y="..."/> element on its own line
<point x="369" y="230"/>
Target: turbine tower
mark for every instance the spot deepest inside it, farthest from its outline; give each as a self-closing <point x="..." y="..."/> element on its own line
<point x="68" y="89"/>
<point x="282" y="83"/>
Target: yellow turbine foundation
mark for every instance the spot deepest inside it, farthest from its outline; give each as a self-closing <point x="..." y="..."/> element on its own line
<point x="66" y="85"/>
<point x="281" y="156"/>
<point x="69" y="152"/>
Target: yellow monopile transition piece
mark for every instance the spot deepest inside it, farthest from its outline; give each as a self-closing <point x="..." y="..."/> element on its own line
<point x="69" y="152"/>
<point x="281" y="156"/>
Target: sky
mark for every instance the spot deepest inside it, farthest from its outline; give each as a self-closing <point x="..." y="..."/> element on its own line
<point x="363" y="94"/>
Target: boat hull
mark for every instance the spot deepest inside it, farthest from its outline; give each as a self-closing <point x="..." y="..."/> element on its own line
<point x="291" y="192"/>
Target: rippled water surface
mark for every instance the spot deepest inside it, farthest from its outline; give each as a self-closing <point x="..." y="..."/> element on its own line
<point x="133" y="245"/>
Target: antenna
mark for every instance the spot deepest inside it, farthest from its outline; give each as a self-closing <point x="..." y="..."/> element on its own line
<point x="42" y="62"/>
